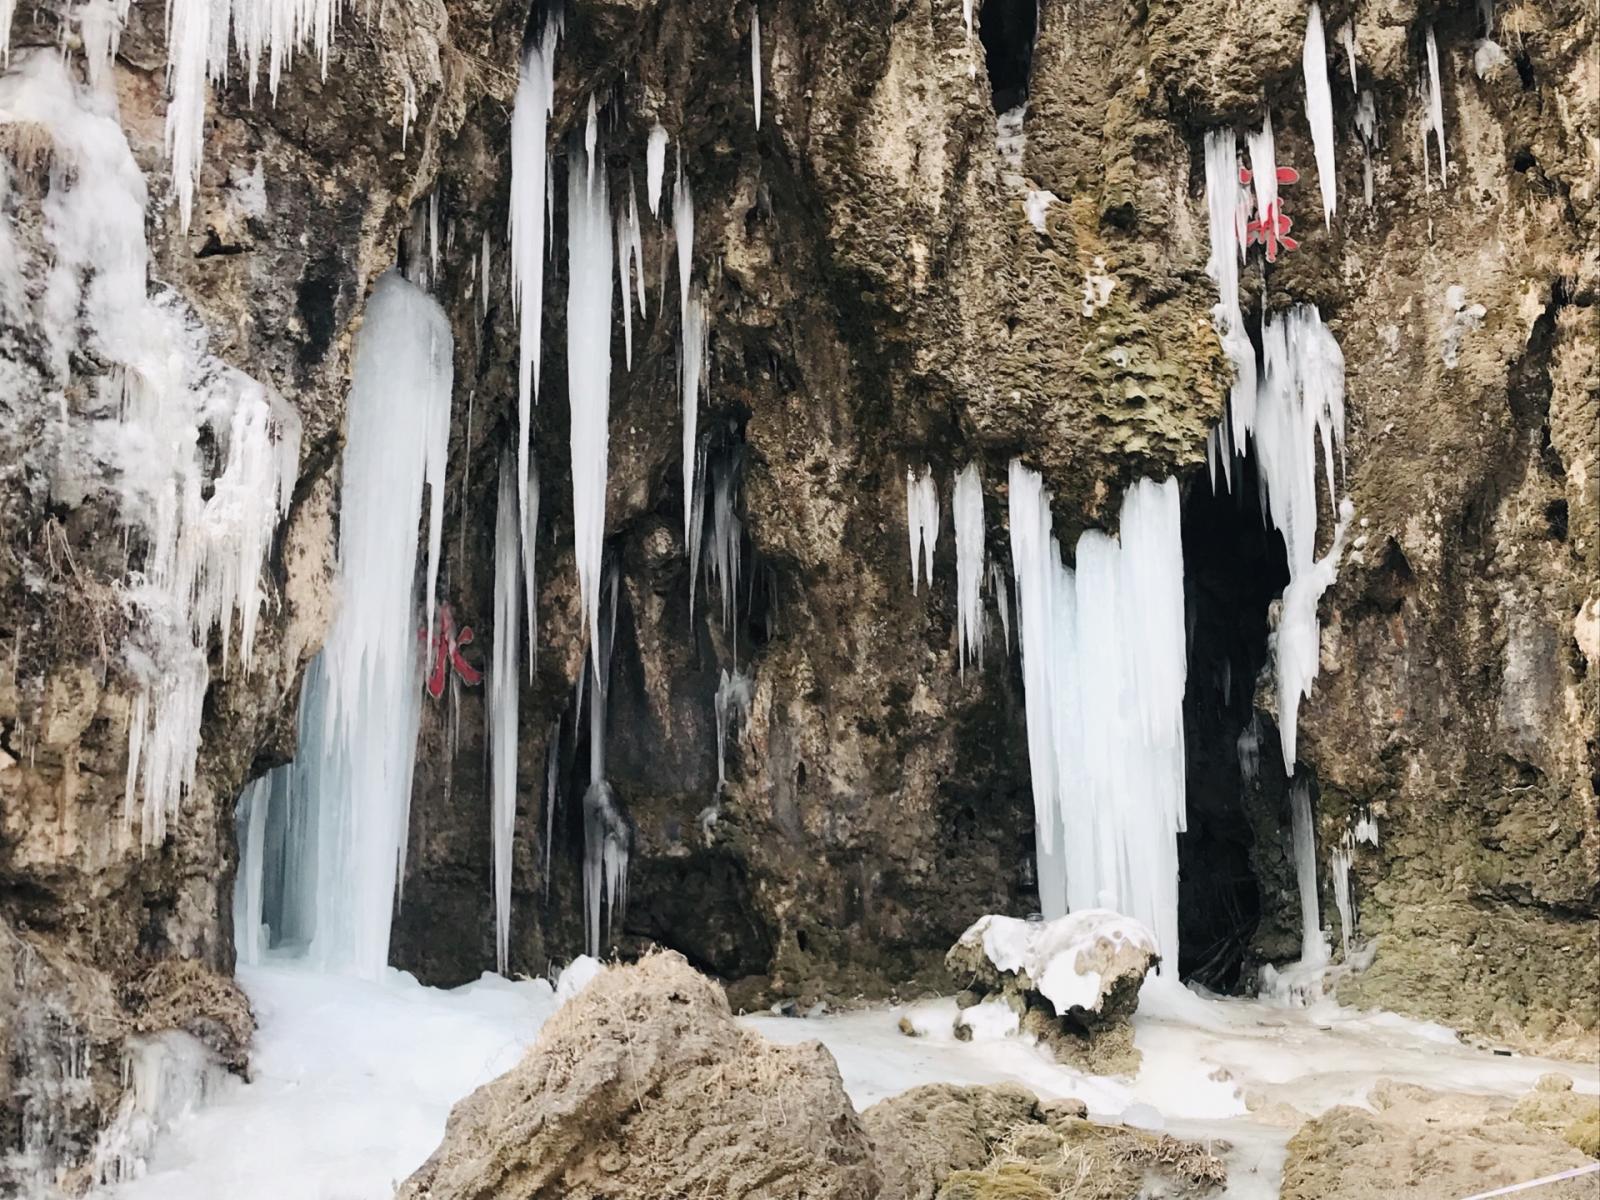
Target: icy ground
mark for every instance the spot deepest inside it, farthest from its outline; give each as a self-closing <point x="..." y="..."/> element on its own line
<point x="353" y="1079"/>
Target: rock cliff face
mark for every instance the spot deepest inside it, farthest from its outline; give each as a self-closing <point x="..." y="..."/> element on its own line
<point x="888" y="288"/>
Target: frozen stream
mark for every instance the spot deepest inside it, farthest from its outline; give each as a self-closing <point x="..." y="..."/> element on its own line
<point x="353" y="1079"/>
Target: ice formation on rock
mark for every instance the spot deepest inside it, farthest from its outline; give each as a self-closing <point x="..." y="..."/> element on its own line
<point x="1002" y="600"/>
<point x="922" y="522"/>
<point x="1319" y="108"/>
<point x="1303" y="833"/>
<point x="361" y="702"/>
<point x="607" y="836"/>
<point x="735" y="690"/>
<point x="201" y="521"/>
<point x="1345" y="35"/>
<point x="589" y="275"/>
<point x="1293" y="404"/>
<point x="503" y="696"/>
<point x="655" y="165"/>
<point x="530" y="192"/>
<point x="966" y="504"/>
<point x="755" y="59"/>
<point x="725" y="566"/>
<point x="167" y="1076"/>
<point x="691" y="366"/>
<point x="1104" y="664"/>
<point x="1047" y="951"/>
<point x="1435" y="100"/>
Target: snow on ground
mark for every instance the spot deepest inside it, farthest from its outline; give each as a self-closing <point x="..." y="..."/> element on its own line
<point x="353" y="1080"/>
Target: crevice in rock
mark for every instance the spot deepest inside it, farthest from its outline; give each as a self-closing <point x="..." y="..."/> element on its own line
<point x="1234" y="567"/>
<point x="1008" y="29"/>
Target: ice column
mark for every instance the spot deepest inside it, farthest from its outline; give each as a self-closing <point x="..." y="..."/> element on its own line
<point x="966" y="504"/>
<point x="589" y="275"/>
<point x="503" y="696"/>
<point x="362" y="699"/>
<point x="1104" y="667"/>
<point x="1313" y="950"/>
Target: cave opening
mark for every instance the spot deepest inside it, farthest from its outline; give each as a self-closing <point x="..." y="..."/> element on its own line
<point x="1234" y="567"/>
<point x="1007" y="29"/>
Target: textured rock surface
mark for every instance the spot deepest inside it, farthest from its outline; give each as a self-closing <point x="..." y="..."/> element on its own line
<point x="880" y="299"/>
<point x="1423" y="1144"/>
<point x="1002" y="1143"/>
<point x="642" y="1085"/>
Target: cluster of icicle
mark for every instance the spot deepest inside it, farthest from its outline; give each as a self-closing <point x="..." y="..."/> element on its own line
<point x="1103" y="666"/>
<point x="922" y="528"/>
<point x="204" y="532"/>
<point x="324" y="839"/>
<point x="1281" y="409"/>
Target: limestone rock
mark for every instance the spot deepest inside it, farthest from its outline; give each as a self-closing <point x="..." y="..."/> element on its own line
<point x="642" y="1085"/>
<point x="1424" y="1145"/>
<point x="942" y="1142"/>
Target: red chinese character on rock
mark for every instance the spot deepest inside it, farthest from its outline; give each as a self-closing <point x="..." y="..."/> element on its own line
<point x="1272" y="229"/>
<point x="446" y="651"/>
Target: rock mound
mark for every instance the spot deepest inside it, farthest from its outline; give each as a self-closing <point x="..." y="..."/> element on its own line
<point x="1425" y="1145"/>
<point x="1073" y="982"/>
<point x="643" y="1086"/>
<point x="942" y="1142"/>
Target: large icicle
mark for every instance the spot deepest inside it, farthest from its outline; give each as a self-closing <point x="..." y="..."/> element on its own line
<point x="1303" y="833"/>
<point x="1103" y="672"/>
<point x="1435" y="110"/>
<point x="922" y="522"/>
<point x="966" y="505"/>
<point x="589" y="277"/>
<point x="362" y="699"/>
<point x="755" y="58"/>
<point x="503" y="695"/>
<point x="691" y="364"/>
<point x="1319" y="108"/>
<point x="530" y="170"/>
<point x="607" y="835"/>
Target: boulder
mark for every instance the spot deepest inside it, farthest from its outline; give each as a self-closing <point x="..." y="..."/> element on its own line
<point x="942" y="1142"/>
<point x="642" y="1085"/>
<point x="1073" y="981"/>
<point x="1420" y="1144"/>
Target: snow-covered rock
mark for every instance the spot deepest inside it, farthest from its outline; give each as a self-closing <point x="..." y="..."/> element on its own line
<point x="1074" y="981"/>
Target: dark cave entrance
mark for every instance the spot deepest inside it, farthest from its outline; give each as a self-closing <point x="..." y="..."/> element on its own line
<point x="1008" y="29"/>
<point x="1234" y="566"/>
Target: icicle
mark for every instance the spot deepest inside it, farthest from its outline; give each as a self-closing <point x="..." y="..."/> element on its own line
<point x="589" y="370"/>
<point x="607" y="835"/>
<point x="922" y="521"/>
<point x="1225" y="203"/>
<point x="197" y="53"/>
<point x="655" y="162"/>
<point x="1345" y="35"/>
<point x="1319" y="109"/>
<point x="1313" y="950"/>
<point x="966" y="506"/>
<point x="1264" y="168"/>
<point x="1367" y="126"/>
<point x="433" y="234"/>
<point x="727" y="530"/>
<point x="361" y="703"/>
<point x="1339" y="862"/>
<point x="483" y="274"/>
<point x="1002" y="599"/>
<point x="625" y="285"/>
<point x="691" y="363"/>
<point x="732" y="704"/>
<point x="1435" y="110"/>
<point x="1103" y="667"/>
<point x="530" y="191"/>
<point x="683" y="232"/>
<point x="503" y="696"/>
<point x="755" y="58"/>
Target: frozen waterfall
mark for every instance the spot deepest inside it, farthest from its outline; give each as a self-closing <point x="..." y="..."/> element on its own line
<point x="1104" y="665"/>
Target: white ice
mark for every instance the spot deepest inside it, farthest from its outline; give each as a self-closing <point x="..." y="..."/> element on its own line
<point x="966" y="504"/>
<point x="655" y="164"/>
<point x="755" y="59"/>
<point x="1319" y="108"/>
<point x="589" y="274"/>
<point x="1435" y="109"/>
<point x="504" y="681"/>
<point x="922" y="522"/>
<point x="1047" y="951"/>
